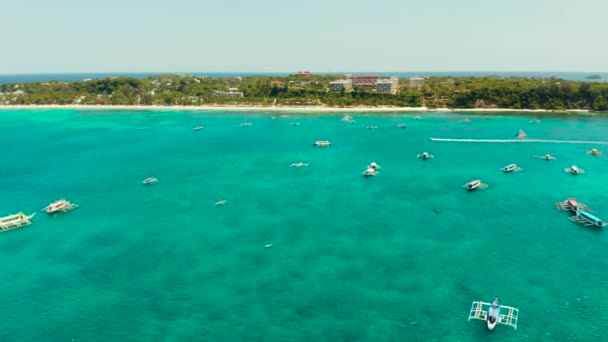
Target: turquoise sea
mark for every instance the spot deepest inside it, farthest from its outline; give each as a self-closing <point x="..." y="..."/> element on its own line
<point x="353" y="259"/>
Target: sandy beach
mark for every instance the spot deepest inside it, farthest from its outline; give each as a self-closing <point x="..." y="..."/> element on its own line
<point x="297" y="109"/>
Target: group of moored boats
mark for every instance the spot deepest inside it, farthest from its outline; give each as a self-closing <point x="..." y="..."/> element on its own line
<point x="20" y="219"/>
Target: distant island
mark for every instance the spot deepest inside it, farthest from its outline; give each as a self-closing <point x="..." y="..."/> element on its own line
<point x="305" y="89"/>
<point x="593" y="77"/>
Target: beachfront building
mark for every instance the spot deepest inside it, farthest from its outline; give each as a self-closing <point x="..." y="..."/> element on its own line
<point x="363" y="80"/>
<point x="387" y="85"/>
<point x="230" y="93"/>
<point x="340" y="85"/>
<point x="416" y="82"/>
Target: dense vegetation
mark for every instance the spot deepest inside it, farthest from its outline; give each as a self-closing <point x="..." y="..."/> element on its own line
<point x="437" y="92"/>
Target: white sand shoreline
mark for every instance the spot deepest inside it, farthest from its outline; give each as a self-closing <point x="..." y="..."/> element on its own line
<point x="297" y="109"/>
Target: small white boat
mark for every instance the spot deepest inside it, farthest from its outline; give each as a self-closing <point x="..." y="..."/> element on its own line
<point x="369" y="172"/>
<point x="402" y="125"/>
<point x="348" y="118"/>
<point x="197" y="128"/>
<point x="222" y="202"/>
<point x="62" y="206"/>
<point x="322" y="143"/>
<point x="373" y="165"/>
<point x="425" y="155"/>
<point x="474" y="185"/>
<point x="575" y="170"/>
<point x="268" y="245"/>
<point x="511" y="168"/>
<point x="417" y="117"/>
<point x="246" y="124"/>
<point x="594" y="152"/>
<point x="299" y="164"/>
<point x="545" y="157"/>
<point x="492" y="315"/>
<point x="149" y="180"/>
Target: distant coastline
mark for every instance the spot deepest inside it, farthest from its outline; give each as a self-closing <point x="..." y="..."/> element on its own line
<point x="297" y="109"/>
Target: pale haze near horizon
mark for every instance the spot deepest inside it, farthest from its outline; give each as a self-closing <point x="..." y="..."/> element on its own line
<point x="42" y="36"/>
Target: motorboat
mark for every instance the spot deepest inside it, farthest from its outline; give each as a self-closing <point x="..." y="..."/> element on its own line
<point x="149" y="180"/>
<point x="474" y="185"/>
<point x="575" y="170"/>
<point x="511" y="168"/>
<point x="370" y="172"/>
<point x="491" y="313"/>
<point x="322" y="143"/>
<point x="425" y="155"/>
<point x="61" y="205"/>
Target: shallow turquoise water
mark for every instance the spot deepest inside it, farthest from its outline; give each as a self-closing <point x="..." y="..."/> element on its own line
<point x="353" y="259"/>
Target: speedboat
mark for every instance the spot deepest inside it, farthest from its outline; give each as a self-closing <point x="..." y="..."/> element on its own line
<point x="197" y="128"/>
<point x="511" y="168"/>
<point x="322" y="143"/>
<point x="370" y="172"/>
<point x="402" y="125"/>
<point x="149" y="180"/>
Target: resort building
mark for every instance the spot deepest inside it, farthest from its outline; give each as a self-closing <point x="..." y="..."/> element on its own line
<point x="416" y="82"/>
<point x="363" y="80"/>
<point x="340" y="85"/>
<point x="303" y="73"/>
<point x="228" y="93"/>
<point x="387" y="85"/>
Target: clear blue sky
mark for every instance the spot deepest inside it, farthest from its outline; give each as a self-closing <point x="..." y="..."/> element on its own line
<point x="317" y="35"/>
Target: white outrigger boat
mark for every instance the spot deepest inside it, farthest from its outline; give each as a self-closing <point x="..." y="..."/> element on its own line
<point x="575" y="170"/>
<point x="374" y="165"/>
<point x="545" y="157"/>
<point x="425" y="155"/>
<point x="594" y="152"/>
<point x="149" y="181"/>
<point x="322" y="143"/>
<point x="246" y="124"/>
<point x="369" y="172"/>
<point x="15" y="221"/>
<point x="584" y="218"/>
<point x="299" y="164"/>
<point x="511" y="168"/>
<point x="491" y="314"/>
<point x="348" y="118"/>
<point x="197" y="128"/>
<point x="475" y="185"/>
<point x="61" y="206"/>
<point x="222" y="202"/>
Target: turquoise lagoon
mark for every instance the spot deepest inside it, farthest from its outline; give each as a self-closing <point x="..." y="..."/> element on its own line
<point x="353" y="259"/>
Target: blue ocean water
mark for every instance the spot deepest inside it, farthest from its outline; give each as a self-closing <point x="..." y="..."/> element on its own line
<point x="67" y="77"/>
<point x="353" y="259"/>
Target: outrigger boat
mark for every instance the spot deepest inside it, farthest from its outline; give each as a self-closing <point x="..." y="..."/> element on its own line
<point x="594" y="152"/>
<point x="348" y="118"/>
<point x="149" y="180"/>
<point x="491" y="314"/>
<point x="475" y="184"/>
<point x="299" y="164"/>
<point x="15" y="221"/>
<point x="545" y="157"/>
<point x="322" y="143"/>
<point x="402" y="125"/>
<point x="197" y="128"/>
<point x="222" y="202"/>
<point x="374" y="166"/>
<point x="245" y="124"/>
<point x="575" y="170"/>
<point x="425" y="155"/>
<point x="370" y="172"/>
<point x="370" y="127"/>
<point x="61" y="206"/>
<point x="511" y="168"/>
<point x="571" y="205"/>
<point x="584" y="218"/>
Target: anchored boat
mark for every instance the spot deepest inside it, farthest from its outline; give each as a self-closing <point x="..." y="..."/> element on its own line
<point x="511" y="168"/>
<point x="15" y="221"/>
<point x="575" y="170"/>
<point x="491" y="314"/>
<point x="584" y="218"/>
<point x="197" y="128"/>
<point x="61" y="206"/>
<point x="545" y="157"/>
<point x="594" y="152"/>
<point x="370" y="127"/>
<point x="425" y="155"/>
<point x="571" y="205"/>
<point x="149" y="181"/>
<point x="222" y="202"/>
<point x="474" y="185"/>
<point x="374" y="166"/>
<point x="402" y="125"/>
<point x="322" y="143"/>
<point x="299" y="164"/>
<point x="348" y="118"/>
<point x="246" y="124"/>
<point x="369" y="172"/>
